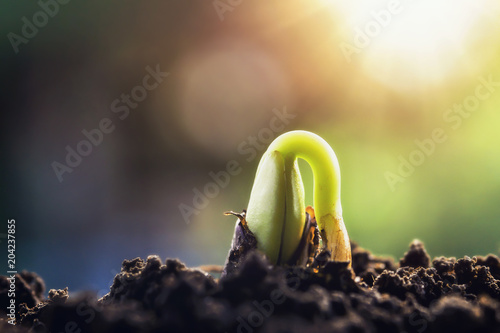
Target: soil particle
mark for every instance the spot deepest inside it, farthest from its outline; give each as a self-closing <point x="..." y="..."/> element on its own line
<point x="375" y="295"/>
<point x="416" y="256"/>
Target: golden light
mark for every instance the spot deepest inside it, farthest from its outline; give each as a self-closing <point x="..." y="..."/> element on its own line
<point x="409" y="44"/>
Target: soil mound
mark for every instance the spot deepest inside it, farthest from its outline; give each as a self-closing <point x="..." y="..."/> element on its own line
<point x="376" y="295"/>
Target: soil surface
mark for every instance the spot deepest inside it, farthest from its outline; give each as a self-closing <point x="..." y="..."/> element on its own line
<point x="377" y="295"/>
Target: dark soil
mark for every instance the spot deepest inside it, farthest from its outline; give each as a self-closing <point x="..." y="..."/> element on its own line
<point x="377" y="295"/>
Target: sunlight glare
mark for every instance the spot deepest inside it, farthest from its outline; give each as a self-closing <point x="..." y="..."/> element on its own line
<point x="416" y="43"/>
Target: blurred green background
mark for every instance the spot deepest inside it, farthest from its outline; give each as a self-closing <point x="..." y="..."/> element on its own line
<point x="370" y="77"/>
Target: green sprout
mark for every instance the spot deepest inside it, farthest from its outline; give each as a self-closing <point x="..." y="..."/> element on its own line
<point x="276" y="209"/>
